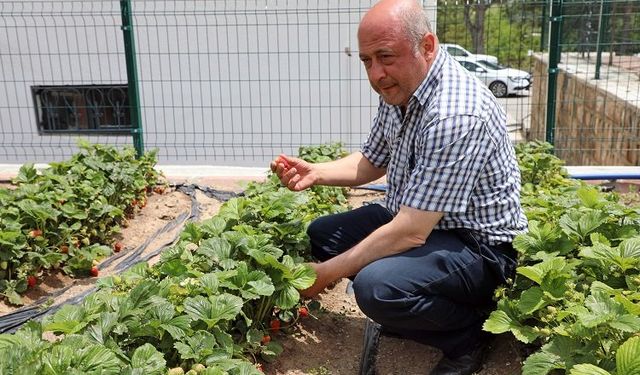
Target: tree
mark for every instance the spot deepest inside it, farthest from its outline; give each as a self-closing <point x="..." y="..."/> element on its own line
<point x="476" y="11"/>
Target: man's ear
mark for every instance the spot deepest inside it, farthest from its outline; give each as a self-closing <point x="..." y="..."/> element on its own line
<point x="428" y="46"/>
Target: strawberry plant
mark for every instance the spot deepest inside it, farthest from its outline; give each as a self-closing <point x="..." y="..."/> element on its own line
<point x="54" y="217"/>
<point x="576" y="294"/>
<point x="216" y="299"/>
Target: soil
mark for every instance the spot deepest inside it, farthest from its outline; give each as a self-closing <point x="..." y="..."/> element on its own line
<point x="330" y="341"/>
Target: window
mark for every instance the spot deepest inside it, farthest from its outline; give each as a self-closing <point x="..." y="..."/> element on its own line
<point x="454" y="51"/>
<point x="469" y="66"/>
<point x="82" y="109"/>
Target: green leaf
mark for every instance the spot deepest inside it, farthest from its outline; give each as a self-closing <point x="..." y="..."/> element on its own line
<point x="244" y="368"/>
<point x="602" y="309"/>
<point x="13" y="297"/>
<point x="630" y="248"/>
<point x="59" y="359"/>
<point x="149" y="360"/>
<point x="39" y="212"/>
<point x="547" y="238"/>
<point x="554" y="284"/>
<point x="541" y="363"/>
<point x="499" y="322"/>
<point x="265" y="259"/>
<point x="259" y="284"/>
<point x="589" y="196"/>
<point x="69" y="319"/>
<point x="140" y="295"/>
<point x="226" y="306"/>
<point x="98" y="360"/>
<point x="537" y="272"/>
<point x="531" y="300"/>
<point x="214" y="371"/>
<point x="26" y="175"/>
<point x="271" y="351"/>
<point x="177" y="326"/>
<point x="580" y="224"/>
<point x="287" y="297"/>
<point x="101" y="330"/>
<point x="587" y="369"/>
<point x="218" y="249"/>
<point x="214" y="226"/>
<point x="210" y="283"/>
<point x="215" y="309"/>
<point x="627" y="323"/>
<point x="191" y="232"/>
<point x="599" y="238"/>
<point x="174" y="267"/>
<point x="198" y="347"/>
<point x="303" y="277"/>
<point x="628" y="357"/>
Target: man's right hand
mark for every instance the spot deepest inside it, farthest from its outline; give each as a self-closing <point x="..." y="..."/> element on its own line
<point x="296" y="174"/>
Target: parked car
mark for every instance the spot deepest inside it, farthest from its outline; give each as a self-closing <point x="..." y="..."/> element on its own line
<point x="457" y="52"/>
<point x="501" y="80"/>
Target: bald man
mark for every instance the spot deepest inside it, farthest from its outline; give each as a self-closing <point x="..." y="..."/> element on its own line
<point x="424" y="265"/>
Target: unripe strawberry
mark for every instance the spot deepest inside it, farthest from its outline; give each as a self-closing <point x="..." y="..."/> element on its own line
<point x="35" y="233"/>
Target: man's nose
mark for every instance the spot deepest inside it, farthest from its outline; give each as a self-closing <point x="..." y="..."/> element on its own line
<point x="377" y="71"/>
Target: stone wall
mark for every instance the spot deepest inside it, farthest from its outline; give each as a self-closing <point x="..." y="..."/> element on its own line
<point x="597" y="121"/>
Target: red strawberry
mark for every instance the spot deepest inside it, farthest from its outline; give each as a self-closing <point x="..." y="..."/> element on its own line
<point x="31" y="281"/>
<point x="303" y="312"/>
<point x="158" y="190"/>
<point x="64" y="249"/>
<point x="265" y="339"/>
<point x="117" y="247"/>
<point x="275" y="325"/>
<point x="94" y="271"/>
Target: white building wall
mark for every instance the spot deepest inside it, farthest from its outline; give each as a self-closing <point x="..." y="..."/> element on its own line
<point x="221" y="82"/>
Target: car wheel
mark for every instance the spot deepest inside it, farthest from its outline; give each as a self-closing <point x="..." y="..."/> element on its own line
<point x="498" y="89"/>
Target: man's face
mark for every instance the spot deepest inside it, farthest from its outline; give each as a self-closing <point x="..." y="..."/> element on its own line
<point x="394" y="68"/>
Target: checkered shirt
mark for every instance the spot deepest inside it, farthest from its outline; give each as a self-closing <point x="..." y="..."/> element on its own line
<point x="450" y="153"/>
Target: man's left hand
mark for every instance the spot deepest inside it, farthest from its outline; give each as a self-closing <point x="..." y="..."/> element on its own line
<point x="323" y="279"/>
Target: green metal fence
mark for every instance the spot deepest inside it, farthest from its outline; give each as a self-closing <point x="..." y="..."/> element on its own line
<point x="593" y="90"/>
<point x="237" y="82"/>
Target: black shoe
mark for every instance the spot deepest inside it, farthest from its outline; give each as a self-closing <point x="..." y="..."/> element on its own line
<point x="465" y="364"/>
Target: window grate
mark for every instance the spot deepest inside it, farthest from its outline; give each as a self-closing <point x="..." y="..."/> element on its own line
<point x="82" y="109"/>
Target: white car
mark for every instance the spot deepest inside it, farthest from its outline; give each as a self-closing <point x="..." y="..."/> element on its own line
<point x="458" y="52"/>
<point x="501" y="80"/>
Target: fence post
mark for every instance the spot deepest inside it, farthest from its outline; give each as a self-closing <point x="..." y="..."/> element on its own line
<point x="132" y="75"/>
<point x="603" y="25"/>
<point x="554" y="58"/>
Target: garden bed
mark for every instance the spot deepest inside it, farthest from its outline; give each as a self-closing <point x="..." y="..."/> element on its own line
<point x="330" y="341"/>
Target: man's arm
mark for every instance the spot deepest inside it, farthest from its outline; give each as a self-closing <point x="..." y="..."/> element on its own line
<point x="351" y="170"/>
<point x="409" y="228"/>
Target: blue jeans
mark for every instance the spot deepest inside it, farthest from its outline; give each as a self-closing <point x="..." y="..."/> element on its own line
<point x="439" y="293"/>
